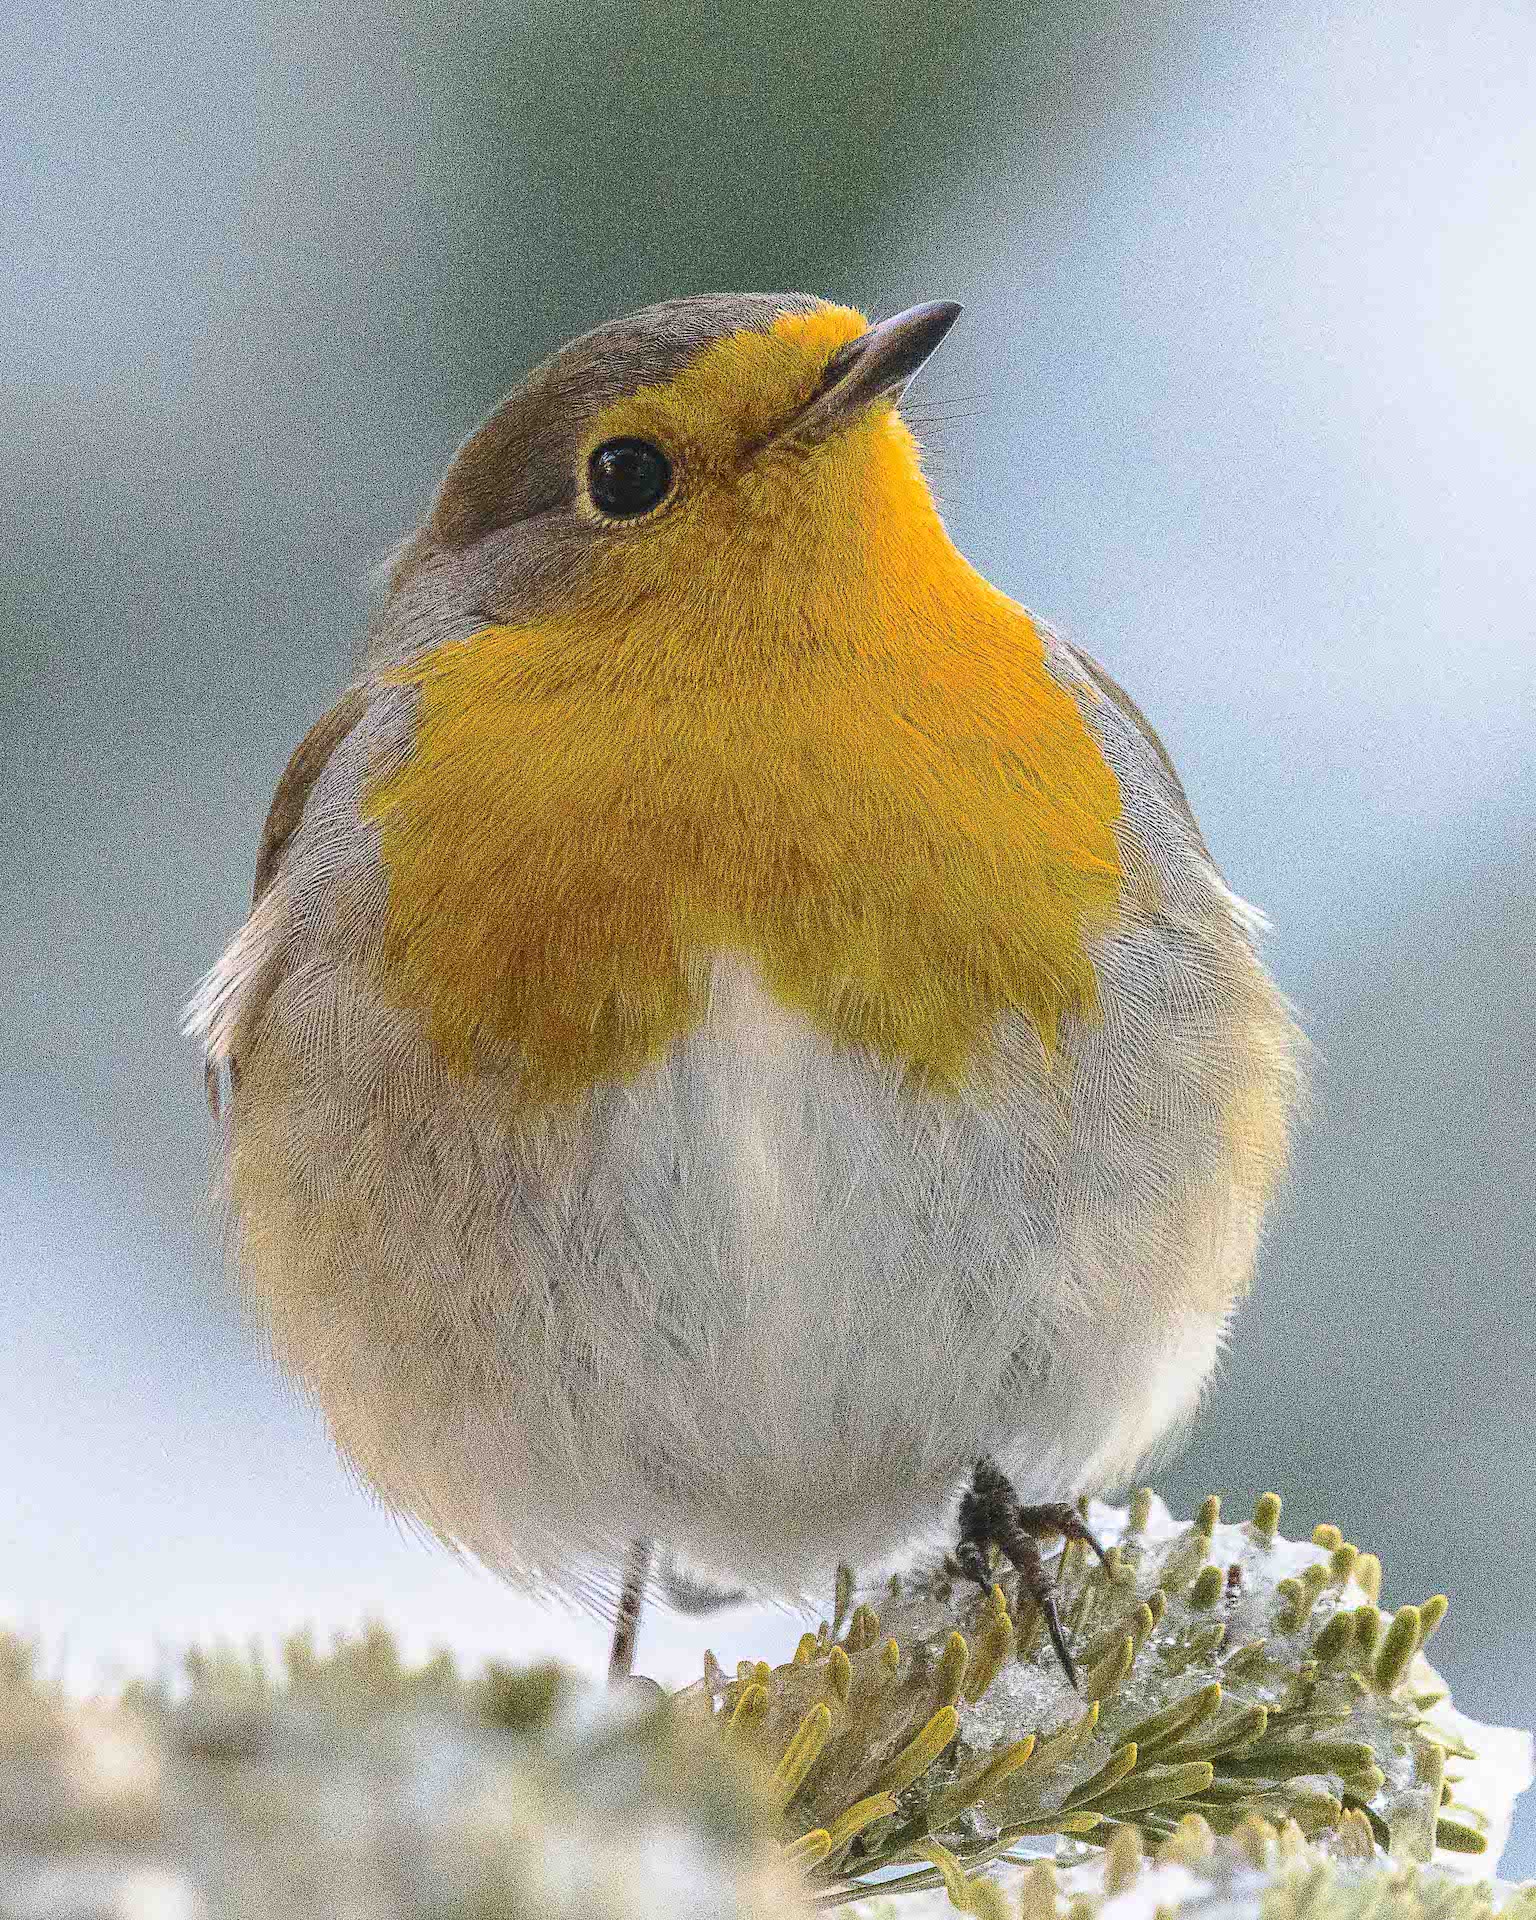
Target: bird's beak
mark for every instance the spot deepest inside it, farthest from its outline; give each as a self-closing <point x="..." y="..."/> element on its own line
<point x="878" y="362"/>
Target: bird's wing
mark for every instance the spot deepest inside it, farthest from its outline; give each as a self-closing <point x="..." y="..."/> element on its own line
<point x="299" y="776"/>
<point x="240" y="981"/>
<point x="1157" y="814"/>
<point x="1119" y="698"/>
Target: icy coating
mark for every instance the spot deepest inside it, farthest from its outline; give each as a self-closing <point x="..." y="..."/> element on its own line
<point x="1228" y="1673"/>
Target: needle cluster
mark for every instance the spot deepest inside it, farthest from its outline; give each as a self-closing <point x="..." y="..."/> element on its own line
<point x="1246" y="1708"/>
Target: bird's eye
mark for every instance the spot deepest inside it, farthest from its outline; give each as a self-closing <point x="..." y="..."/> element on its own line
<point x="628" y="477"/>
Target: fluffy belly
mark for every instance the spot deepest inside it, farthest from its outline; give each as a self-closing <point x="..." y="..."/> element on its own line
<point x="765" y="1302"/>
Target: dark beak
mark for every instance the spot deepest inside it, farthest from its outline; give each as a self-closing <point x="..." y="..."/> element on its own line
<point x="878" y="362"/>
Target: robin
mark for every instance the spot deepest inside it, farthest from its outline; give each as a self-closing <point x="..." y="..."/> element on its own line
<point x="739" y="1036"/>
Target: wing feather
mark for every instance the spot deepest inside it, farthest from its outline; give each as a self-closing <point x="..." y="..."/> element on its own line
<point x="241" y="978"/>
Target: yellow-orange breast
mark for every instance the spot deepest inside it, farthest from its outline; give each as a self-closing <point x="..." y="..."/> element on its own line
<point x="910" y="832"/>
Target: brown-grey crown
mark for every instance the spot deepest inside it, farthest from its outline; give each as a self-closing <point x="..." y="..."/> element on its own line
<point x="523" y="461"/>
<point x="502" y="541"/>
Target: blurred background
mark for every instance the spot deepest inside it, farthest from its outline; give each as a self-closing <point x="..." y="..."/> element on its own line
<point x="1243" y="399"/>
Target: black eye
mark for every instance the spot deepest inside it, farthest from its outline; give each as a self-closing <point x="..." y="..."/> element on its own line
<point x="627" y="477"/>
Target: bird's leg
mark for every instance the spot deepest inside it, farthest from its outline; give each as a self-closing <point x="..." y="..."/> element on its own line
<point x="991" y="1515"/>
<point x="626" y="1622"/>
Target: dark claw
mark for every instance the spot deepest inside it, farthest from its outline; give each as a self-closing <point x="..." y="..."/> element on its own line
<point x="992" y="1516"/>
<point x="1047" y="1605"/>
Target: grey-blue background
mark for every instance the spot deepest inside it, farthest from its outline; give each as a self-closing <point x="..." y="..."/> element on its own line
<point x="1244" y="399"/>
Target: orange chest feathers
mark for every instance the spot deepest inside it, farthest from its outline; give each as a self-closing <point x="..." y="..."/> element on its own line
<point x="906" y="844"/>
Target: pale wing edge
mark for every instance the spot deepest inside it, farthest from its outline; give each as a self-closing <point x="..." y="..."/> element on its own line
<point x="227" y="991"/>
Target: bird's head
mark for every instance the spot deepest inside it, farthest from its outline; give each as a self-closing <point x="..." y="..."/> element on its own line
<point x="723" y="459"/>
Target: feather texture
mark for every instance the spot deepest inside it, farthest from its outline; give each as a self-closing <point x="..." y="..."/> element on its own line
<point x="712" y="1064"/>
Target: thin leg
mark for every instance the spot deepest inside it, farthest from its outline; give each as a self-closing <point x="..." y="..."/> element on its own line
<point x="991" y="1516"/>
<point x="626" y="1622"/>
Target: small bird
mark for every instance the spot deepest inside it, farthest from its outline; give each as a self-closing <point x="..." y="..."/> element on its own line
<point x="739" y="1038"/>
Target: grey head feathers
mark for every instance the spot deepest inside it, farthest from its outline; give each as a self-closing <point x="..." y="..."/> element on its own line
<point x="503" y="541"/>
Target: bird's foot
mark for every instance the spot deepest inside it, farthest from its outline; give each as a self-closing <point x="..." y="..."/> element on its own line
<point x="992" y="1515"/>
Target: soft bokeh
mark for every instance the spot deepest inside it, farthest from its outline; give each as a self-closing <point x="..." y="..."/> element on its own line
<point x="1243" y="399"/>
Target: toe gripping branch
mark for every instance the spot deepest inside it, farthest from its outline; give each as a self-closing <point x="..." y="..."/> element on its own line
<point x="992" y="1515"/>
